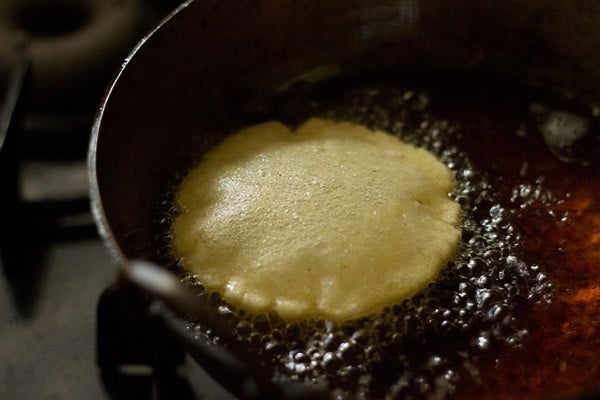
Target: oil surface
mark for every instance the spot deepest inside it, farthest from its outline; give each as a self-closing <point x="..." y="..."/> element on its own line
<point x="516" y="313"/>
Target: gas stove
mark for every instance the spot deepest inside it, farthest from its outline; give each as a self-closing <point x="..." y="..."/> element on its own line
<point x="61" y="332"/>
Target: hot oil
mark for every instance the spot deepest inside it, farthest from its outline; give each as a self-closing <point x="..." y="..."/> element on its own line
<point x="514" y="313"/>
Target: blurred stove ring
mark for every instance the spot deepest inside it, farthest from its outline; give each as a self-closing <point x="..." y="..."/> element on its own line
<point x="74" y="46"/>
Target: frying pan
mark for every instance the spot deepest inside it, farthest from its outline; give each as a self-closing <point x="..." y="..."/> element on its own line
<point x="208" y="59"/>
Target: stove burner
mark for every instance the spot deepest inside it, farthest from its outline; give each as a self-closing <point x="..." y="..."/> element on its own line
<point x="74" y="46"/>
<point x="53" y="18"/>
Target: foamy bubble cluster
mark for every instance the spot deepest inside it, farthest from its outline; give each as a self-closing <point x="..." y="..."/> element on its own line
<point x="423" y="346"/>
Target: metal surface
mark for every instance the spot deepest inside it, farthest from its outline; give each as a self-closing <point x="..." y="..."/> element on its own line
<point x="47" y="321"/>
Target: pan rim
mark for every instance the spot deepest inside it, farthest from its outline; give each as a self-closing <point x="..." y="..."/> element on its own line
<point x="96" y="205"/>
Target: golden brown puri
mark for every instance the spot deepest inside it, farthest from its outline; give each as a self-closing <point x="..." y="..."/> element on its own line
<point x="333" y="220"/>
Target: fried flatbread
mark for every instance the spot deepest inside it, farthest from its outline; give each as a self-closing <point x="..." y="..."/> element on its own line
<point x="332" y="221"/>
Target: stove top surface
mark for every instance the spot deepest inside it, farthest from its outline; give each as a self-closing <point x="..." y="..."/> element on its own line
<point x="48" y="330"/>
